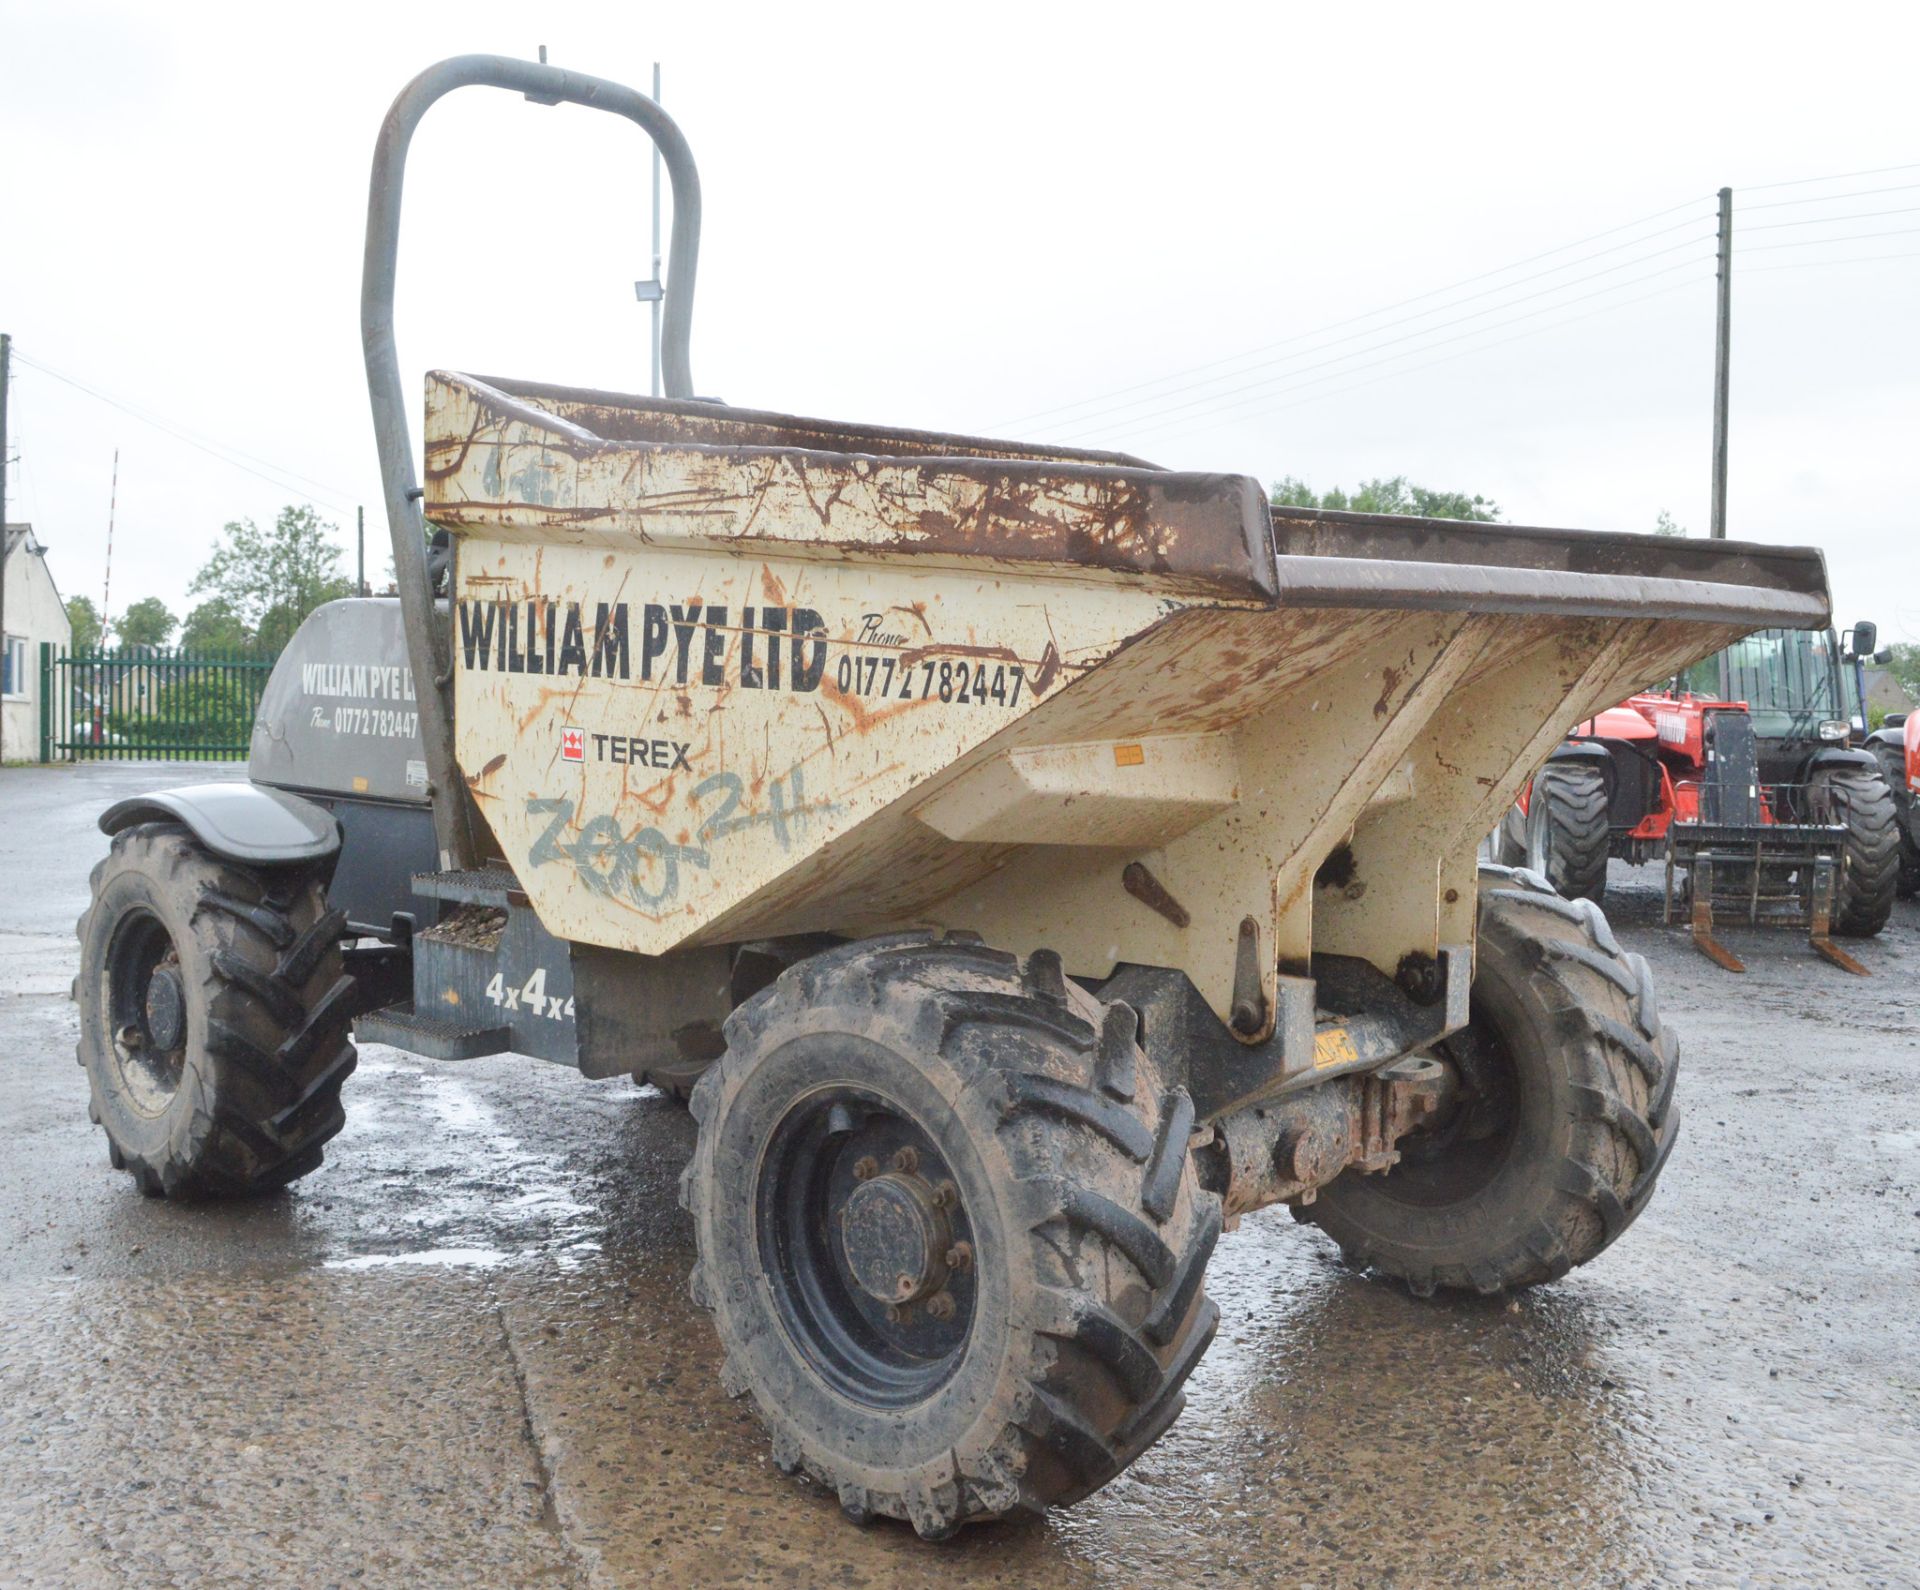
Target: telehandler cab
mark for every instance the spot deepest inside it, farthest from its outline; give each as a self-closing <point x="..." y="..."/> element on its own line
<point x="1031" y="860"/>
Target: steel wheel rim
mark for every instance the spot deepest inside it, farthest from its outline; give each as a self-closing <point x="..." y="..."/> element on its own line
<point x="848" y="1147"/>
<point x="146" y="1008"/>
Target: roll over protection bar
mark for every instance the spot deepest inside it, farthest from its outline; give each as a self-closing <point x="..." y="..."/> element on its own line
<point x="427" y="647"/>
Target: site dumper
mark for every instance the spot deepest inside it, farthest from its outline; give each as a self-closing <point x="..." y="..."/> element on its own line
<point x="1031" y="861"/>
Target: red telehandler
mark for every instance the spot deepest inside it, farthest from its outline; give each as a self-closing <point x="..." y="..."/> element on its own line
<point x="1741" y="775"/>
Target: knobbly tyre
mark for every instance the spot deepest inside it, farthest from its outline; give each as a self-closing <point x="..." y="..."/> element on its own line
<point x="1896" y="745"/>
<point x="1032" y="861"/>
<point x="1741" y="776"/>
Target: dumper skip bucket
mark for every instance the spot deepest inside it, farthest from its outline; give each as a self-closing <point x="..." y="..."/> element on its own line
<point x="723" y="675"/>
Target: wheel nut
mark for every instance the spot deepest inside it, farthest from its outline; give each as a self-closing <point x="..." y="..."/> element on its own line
<point x="866" y="1169"/>
<point x="903" y="1284"/>
<point x="898" y="1316"/>
<point x="905" y="1159"/>
<point x="960" y="1256"/>
<point x="940" y="1306"/>
<point x="946" y="1195"/>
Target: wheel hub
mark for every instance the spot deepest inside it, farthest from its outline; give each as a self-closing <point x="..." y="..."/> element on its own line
<point x="866" y="1245"/>
<point x="166" y="1008"/>
<point x="895" y="1237"/>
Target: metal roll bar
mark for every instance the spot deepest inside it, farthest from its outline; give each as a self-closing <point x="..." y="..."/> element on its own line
<point x="428" y="648"/>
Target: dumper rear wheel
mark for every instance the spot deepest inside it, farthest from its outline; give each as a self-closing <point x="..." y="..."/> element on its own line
<point x="214" y="1016"/>
<point x="949" y="1230"/>
<point x="1564" y="1120"/>
<point x="1860" y="799"/>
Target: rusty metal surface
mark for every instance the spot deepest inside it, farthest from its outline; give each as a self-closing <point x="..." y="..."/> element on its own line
<point x="1285" y="1151"/>
<point x="616" y="417"/>
<point x="502" y="468"/>
<point x="1701" y="924"/>
<point x="1787" y="572"/>
<point x="714" y="685"/>
<point x="1482" y="588"/>
<point x="1819" y="931"/>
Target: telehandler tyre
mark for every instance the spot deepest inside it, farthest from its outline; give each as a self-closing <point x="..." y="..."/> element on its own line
<point x="1860" y="799"/>
<point x="949" y="1230"/>
<point x="1893" y="767"/>
<point x="1564" y="1119"/>
<point x="213" y="1016"/>
<point x="1563" y="833"/>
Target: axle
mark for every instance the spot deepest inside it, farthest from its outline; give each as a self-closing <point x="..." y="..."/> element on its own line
<point x="1285" y="1151"/>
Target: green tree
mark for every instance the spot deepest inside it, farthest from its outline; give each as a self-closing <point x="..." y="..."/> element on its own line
<point x="271" y="579"/>
<point x="146" y="623"/>
<point x="214" y="626"/>
<point x="1665" y="524"/>
<point x="1388" y="494"/>
<point x="88" y="631"/>
<point x="1906" y="666"/>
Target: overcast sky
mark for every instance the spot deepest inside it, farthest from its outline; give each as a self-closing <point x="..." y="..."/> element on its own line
<point x="1128" y="228"/>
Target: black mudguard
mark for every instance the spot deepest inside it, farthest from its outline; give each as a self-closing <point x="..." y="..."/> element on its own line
<point x="237" y="822"/>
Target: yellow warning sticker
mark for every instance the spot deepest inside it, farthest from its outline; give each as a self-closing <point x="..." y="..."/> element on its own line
<point x="1128" y="756"/>
<point x="1334" y="1047"/>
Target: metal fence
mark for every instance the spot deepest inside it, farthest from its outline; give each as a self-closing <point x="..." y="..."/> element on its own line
<point x="145" y="703"/>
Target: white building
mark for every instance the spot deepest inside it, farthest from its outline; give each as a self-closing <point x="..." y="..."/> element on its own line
<point x="34" y="613"/>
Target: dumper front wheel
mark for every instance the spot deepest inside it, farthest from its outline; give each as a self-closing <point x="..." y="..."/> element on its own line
<point x="214" y="1015"/>
<point x="1564" y="1119"/>
<point x="949" y="1230"/>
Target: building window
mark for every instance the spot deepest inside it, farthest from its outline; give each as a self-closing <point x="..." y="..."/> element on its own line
<point x="13" y="668"/>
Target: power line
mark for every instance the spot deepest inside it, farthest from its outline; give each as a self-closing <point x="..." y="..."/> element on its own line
<point x="1189" y="427"/>
<point x="1816" y="242"/>
<point x="1449" y="358"/>
<point x="1833" y="198"/>
<point x="1832" y="220"/>
<point x="211" y="446"/>
<point x="1815" y="264"/>
<point x="1838" y="176"/>
<point x="1260" y="392"/>
<point x="1631" y="281"/>
<point x="1387" y="309"/>
<point x="1495" y="308"/>
<point x="1083" y="409"/>
<point x="218" y="450"/>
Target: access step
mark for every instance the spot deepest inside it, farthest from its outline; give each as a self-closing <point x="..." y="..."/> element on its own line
<point x="477" y="886"/>
<point x="402" y="1027"/>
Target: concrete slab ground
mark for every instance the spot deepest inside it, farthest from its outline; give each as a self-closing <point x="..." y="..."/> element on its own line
<point x="463" y="1351"/>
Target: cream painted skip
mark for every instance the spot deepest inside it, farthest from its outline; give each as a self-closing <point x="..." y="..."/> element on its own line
<point x="722" y="676"/>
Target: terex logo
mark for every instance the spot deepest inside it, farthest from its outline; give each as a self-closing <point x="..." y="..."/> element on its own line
<point x="573" y="744"/>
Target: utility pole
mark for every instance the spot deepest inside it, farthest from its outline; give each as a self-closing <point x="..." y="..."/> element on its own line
<point x="1722" y="351"/>
<point x="651" y="292"/>
<point x="113" y="507"/>
<point x="6" y="364"/>
<point x="360" y="562"/>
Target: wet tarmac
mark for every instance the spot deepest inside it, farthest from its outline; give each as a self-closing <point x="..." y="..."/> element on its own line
<point x="463" y="1350"/>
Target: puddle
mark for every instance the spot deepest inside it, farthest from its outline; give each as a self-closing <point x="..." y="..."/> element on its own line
<point x="437" y="1258"/>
